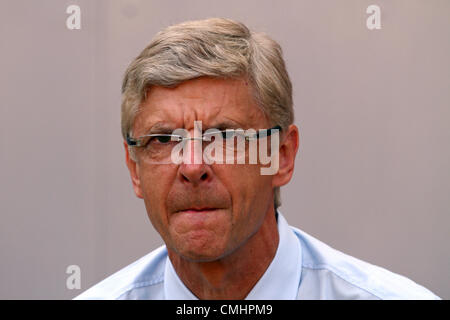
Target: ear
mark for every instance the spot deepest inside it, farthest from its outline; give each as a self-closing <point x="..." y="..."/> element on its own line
<point x="288" y="151"/>
<point x="133" y="167"/>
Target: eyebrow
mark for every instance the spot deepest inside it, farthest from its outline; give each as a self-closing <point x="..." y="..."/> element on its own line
<point x="227" y="124"/>
<point x="165" y="128"/>
<point x="160" y="127"/>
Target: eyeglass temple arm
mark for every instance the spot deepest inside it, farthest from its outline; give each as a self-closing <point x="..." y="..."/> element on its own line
<point x="131" y="142"/>
<point x="268" y="131"/>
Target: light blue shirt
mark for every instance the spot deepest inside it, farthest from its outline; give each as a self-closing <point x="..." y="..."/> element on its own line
<point x="303" y="268"/>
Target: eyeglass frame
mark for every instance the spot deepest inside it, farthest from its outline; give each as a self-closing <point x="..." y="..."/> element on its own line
<point x="137" y="142"/>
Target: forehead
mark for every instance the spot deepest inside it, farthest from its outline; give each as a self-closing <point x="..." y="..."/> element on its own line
<point x="212" y="101"/>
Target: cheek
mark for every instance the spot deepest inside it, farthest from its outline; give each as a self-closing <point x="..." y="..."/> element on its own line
<point x="155" y="184"/>
<point x="250" y="191"/>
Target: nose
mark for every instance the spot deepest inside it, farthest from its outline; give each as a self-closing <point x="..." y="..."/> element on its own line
<point x="193" y="169"/>
<point x="194" y="174"/>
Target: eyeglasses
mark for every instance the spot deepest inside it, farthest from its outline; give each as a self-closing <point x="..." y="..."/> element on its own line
<point x="160" y="147"/>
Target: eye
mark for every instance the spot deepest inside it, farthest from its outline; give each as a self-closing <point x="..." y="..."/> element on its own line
<point x="228" y="134"/>
<point x="163" y="139"/>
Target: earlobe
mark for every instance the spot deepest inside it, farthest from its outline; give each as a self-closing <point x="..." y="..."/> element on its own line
<point x="288" y="151"/>
<point x="133" y="168"/>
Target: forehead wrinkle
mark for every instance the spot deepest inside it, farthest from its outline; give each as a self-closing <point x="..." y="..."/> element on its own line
<point x="150" y="116"/>
<point x="203" y="111"/>
<point x="246" y="114"/>
<point x="208" y="114"/>
<point x="181" y="106"/>
<point x="245" y="110"/>
<point x="235" y="108"/>
<point x="161" y="106"/>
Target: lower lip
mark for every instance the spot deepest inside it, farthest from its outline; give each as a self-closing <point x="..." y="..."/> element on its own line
<point x="198" y="211"/>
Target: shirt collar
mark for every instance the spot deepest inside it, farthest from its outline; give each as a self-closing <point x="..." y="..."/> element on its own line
<point x="280" y="281"/>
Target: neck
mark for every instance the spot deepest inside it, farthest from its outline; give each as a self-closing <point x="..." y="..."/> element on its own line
<point x="233" y="276"/>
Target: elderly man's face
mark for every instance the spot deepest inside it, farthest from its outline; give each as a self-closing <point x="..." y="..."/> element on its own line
<point x="202" y="212"/>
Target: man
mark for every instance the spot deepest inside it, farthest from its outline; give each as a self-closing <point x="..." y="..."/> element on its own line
<point x="197" y="86"/>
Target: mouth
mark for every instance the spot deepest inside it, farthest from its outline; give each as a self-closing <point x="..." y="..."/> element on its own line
<point x="198" y="210"/>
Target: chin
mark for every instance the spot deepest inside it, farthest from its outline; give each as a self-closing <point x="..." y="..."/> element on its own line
<point x="204" y="253"/>
<point x="201" y="258"/>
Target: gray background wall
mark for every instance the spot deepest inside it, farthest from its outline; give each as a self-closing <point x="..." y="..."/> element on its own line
<point x="373" y="107"/>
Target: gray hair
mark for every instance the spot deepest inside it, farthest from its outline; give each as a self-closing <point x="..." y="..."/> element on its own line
<point x="216" y="47"/>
